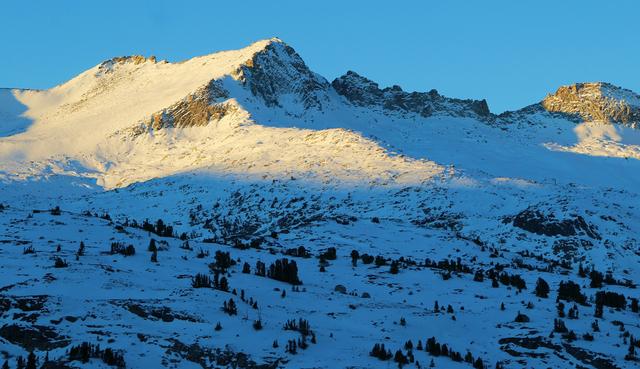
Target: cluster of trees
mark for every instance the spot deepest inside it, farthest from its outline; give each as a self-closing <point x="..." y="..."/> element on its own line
<point x="301" y="325"/>
<point x="560" y="327"/>
<point x="448" y="265"/>
<point x="223" y="261"/>
<point x="329" y="254"/>
<point x="261" y="269"/>
<point x="60" y="263"/>
<point x="611" y="299"/>
<point x="159" y="228"/>
<point x="570" y="291"/>
<point x="230" y="307"/>
<point x="86" y="351"/>
<point x="120" y="248"/>
<point x="380" y="352"/>
<point x="201" y="281"/>
<point x="434" y="348"/>
<point x="253" y="303"/>
<point x="300" y="252"/>
<point x="281" y="270"/>
<point x="597" y="279"/>
<point x="31" y="363"/>
<point x="366" y="258"/>
<point x="631" y="354"/>
<point x="293" y="345"/>
<point x="514" y="280"/>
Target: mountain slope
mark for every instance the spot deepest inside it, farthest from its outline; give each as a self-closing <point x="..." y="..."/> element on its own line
<point x="423" y="198"/>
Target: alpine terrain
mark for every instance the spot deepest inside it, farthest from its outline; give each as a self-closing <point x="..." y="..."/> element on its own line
<point x="239" y="210"/>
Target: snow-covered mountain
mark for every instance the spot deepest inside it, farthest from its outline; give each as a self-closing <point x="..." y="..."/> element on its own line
<point x="423" y="197"/>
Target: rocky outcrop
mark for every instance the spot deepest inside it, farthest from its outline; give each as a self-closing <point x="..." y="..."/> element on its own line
<point x="108" y="65"/>
<point x="277" y="70"/>
<point x="197" y="109"/>
<point x="363" y="92"/>
<point x="596" y="102"/>
<point x="32" y="337"/>
<point x="580" y="102"/>
<point x="204" y="356"/>
<point x="538" y="222"/>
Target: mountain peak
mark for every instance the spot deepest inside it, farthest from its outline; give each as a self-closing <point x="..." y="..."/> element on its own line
<point x="361" y="91"/>
<point x="275" y="69"/>
<point x="596" y="101"/>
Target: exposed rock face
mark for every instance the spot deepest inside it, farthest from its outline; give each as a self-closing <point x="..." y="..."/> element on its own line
<point x="107" y="66"/>
<point x="205" y="356"/>
<point x="38" y="337"/>
<point x="361" y="91"/>
<point x="535" y="221"/>
<point x="278" y="70"/>
<point x="197" y="109"/>
<point x="596" y="102"/>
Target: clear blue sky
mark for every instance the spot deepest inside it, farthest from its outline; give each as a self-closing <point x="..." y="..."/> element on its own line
<point x="510" y="52"/>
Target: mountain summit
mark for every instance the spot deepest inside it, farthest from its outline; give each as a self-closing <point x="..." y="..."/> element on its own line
<point x="123" y="113"/>
<point x="596" y="101"/>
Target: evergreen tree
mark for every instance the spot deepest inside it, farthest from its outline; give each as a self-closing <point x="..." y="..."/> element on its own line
<point x="260" y="269"/>
<point x="478" y="364"/>
<point x="257" y="325"/>
<point x="631" y="354"/>
<point x="355" y="255"/>
<point x="394" y="267"/>
<point x="581" y="272"/>
<point x="400" y="358"/>
<point x="223" y="285"/>
<point x="599" y="310"/>
<point x="542" y="288"/>
<point x="596" y="279"/>
<point x="32" y="361"/>
<point x="230" y="307"/>
<point x="478" y="276"/>
<point x="152" y="245"/>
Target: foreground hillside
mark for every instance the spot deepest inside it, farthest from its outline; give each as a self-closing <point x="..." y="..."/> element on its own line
<point x="139" y="198"/>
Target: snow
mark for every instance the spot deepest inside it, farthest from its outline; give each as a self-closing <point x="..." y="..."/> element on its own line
<point x="389" y="183"/>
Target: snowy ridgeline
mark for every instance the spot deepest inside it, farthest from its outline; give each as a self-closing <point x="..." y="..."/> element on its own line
<point x="238" y="210"/>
